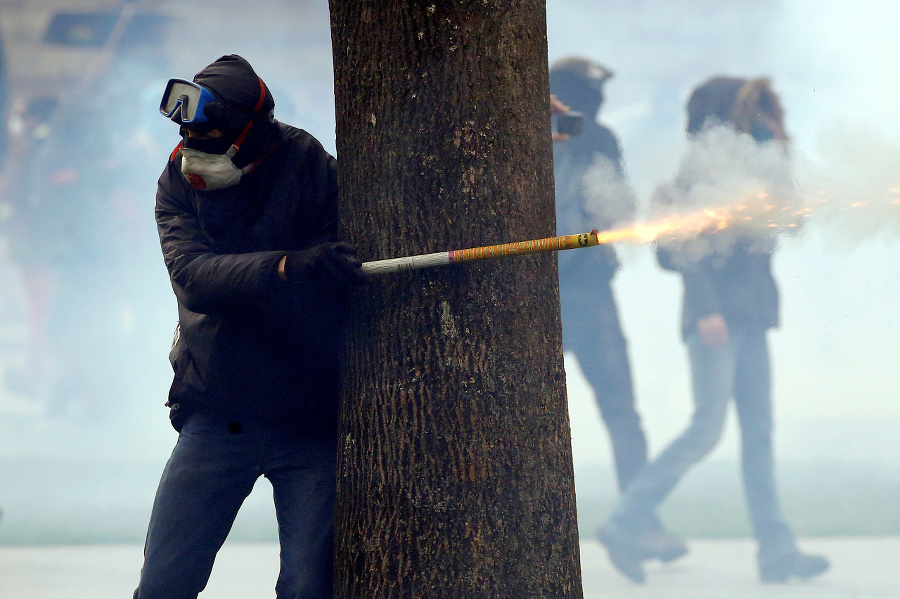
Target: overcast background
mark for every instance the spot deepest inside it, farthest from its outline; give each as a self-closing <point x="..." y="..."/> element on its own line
<point x="90" y="475"/>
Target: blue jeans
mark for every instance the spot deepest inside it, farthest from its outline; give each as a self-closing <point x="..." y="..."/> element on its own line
<point x="741" y="370"/>
<point x="212" y="469"/>
<point x="591" y="330"/>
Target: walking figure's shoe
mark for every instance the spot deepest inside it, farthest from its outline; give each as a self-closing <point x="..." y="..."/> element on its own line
<point x="642" y="544"/>
<point x="628" y="549"/>
<point x="668" y="546"/>
<point x="780" y="568"/>
<point x="624" y="553"/>
<point x="631" y="567"/>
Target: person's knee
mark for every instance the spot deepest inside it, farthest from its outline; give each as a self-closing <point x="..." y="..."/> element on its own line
<point x="622" y="422"/>
<point x="756" y="430"/>
<point x="706" y="434"/>
<point x="709" y="440"/>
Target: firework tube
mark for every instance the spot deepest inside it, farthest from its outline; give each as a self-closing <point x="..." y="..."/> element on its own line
<point x="533" y="246"/>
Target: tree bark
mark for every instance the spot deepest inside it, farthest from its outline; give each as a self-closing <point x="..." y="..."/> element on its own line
<point x="455" y="473"/>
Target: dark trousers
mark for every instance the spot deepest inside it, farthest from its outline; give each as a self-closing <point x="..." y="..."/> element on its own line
<point x="211" y="471"/>
<point x="591" y="330"/>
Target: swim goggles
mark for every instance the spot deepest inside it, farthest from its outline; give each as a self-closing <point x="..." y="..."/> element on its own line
<point x="184" y="102"/>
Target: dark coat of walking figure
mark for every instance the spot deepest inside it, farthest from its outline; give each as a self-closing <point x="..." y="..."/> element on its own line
<point x="247" y="216"/>
<point x="737" y="150"/>
<point x="592" y="191"/>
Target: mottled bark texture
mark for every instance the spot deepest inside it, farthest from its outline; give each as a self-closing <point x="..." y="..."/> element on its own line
<point x="455" y="467"/>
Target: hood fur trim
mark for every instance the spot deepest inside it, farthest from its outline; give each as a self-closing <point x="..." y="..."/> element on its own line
<point x="755" y="98"/>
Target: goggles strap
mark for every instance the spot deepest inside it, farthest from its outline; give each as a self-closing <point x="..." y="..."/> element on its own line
<point x="237" y="143"/>
<point x="262" y="96"/>
<point x="252" y="166"/>
<point x="176" y="150"/>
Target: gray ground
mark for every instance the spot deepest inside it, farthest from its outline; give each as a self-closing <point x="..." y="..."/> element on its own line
<point x="863" y="568"/>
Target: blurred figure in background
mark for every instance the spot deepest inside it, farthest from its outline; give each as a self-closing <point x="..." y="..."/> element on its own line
<point x="30" y="132"/>
<point x="730" y="301"/>
<point x="4" y="103"/>
<point x="69" y="243"/>
<point x="77" y="235"/>
<point x="592" y="192"/>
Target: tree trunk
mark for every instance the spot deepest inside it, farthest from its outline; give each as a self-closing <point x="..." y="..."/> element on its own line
<point x="455" y="466"/>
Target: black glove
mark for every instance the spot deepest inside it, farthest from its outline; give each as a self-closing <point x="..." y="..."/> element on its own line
<point x="334" y="262"/>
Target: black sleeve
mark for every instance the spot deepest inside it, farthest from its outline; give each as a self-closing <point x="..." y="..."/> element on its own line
<point x="608" y="145"/>
<point x="699" y="288"/>
<point x="204" y="281"/>
<point x="326" y="175"/>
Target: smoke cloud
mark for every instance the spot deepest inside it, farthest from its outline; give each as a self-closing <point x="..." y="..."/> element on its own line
<point x="742" y="190"/>
<point x="609" y="198"/>
<point x="727" y="184"/>
<point x="853" y="190"/>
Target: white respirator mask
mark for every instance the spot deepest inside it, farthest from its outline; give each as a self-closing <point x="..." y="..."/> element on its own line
<point x="209" y="172"/>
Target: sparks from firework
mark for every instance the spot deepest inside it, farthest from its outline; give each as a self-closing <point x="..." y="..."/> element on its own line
<point x="757" y="212"/>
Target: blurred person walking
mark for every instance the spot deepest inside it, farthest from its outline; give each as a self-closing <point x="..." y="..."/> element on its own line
<point x="730" y="302"/>
<point x="72" y="220"/>
<point x="4" y="104"/>
<point x="592" y="191"/>
<point x="247" y="213"/>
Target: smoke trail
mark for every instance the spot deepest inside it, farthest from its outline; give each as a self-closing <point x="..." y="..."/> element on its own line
<point x="748" y="193"/>
<point x="729" y="189"/>
<point x="741" y="190"/>
<point x="722" y="167"/>
<point x="609" y="199"/>
<point x="854" y="190"/>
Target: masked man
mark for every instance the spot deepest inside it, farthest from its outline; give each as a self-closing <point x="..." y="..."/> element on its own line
<point x="737" y="152"/>
<point x="246" y="210"/>
<point x="592" y="192"/>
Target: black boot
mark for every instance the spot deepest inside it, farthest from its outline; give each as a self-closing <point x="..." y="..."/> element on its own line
<point x="793" y="564"/>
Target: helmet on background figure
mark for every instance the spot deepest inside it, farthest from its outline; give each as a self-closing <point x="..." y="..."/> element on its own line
<point x="578" y="82"/>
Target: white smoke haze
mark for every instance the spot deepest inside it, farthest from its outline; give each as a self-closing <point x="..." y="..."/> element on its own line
<point x="853" y="188"/>
<point x="728" y="189"/>
<point x="610" y="199"/>
<point x="722" y="167"/>
<point x="727" y="184"/>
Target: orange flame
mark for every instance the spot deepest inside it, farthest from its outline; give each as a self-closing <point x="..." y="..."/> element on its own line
<point x="757" y="210"/>
<point x="684" y="226"/>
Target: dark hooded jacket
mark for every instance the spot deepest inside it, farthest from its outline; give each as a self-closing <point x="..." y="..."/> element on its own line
<point x="573" y="159"/>
<point x="735" y="280"/>
<point x="249" y="345"/>
<point x="737" y="283"/>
